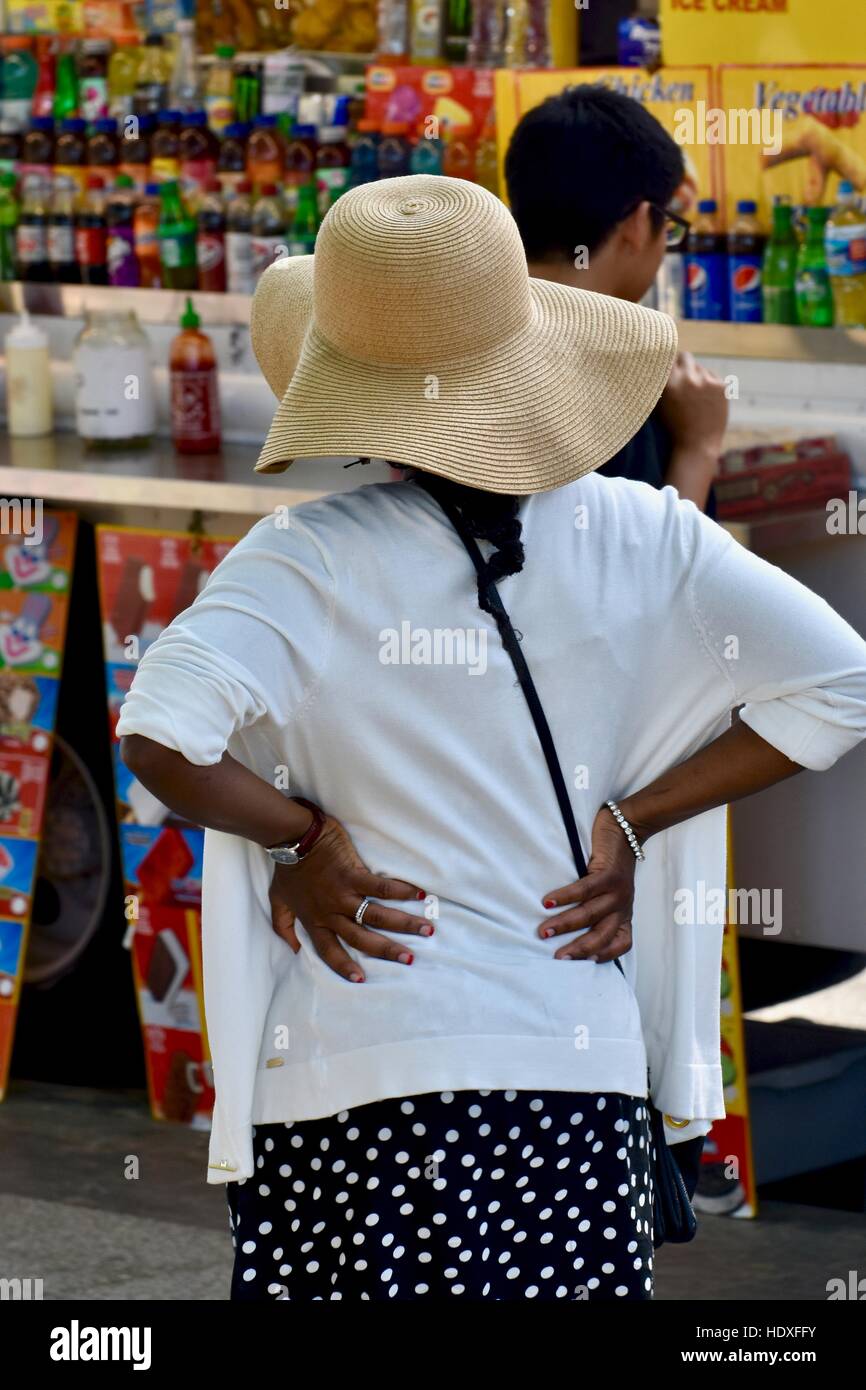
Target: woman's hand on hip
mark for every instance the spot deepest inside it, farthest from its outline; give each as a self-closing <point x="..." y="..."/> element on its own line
<point x="325" y="890"/>
<point x="602" y="901"/>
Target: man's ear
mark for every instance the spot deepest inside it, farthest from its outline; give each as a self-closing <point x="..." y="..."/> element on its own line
<point x="637" y="229"/>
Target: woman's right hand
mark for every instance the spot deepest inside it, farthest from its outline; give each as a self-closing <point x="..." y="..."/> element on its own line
<point x="324" y="891"/>
<point x="604" y="899"/>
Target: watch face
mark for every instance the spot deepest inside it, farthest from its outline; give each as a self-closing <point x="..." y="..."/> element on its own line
<point x="284" y="854"/>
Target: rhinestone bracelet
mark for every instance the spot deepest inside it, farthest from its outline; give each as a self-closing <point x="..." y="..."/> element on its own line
<point x="626" y="829"/>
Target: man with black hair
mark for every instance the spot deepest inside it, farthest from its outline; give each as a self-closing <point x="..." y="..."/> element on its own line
<point x="591" y="177"/>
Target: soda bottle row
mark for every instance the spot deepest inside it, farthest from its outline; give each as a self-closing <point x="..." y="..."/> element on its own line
<point x="810" y="270"/>
<point x="116" y="236"/>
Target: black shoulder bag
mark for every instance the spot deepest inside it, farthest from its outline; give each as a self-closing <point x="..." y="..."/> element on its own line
<point x="673" y="1217"/>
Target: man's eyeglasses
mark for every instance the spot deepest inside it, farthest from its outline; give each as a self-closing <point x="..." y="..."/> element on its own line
<point x="676" y="227"/>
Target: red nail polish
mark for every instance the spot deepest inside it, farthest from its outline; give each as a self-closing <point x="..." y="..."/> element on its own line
<point x="426" y="931"/>
<point x="357" y="979"/>
<point x="548" y="902"/>
<point x="547" y="933"/>
<point x="420" y="895"/>
<point x="406" y="958"/>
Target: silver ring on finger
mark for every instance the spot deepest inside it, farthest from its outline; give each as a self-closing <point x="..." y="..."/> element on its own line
<point x="360" y="911"/>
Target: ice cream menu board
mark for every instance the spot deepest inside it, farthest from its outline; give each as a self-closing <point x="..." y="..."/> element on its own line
<point x="146" y="578"/>
<point x="35" y="579"/>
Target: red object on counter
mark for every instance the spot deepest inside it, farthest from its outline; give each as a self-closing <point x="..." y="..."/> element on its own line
<point x="769" y="478"/>
<point x="195" y="411"/>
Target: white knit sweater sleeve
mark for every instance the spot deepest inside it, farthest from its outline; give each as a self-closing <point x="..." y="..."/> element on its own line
<point x="253" y="643"/>
<point x="796" y="666"/>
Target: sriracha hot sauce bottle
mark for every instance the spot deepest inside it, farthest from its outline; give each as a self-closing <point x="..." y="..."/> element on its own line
<point x="195" y="410"/>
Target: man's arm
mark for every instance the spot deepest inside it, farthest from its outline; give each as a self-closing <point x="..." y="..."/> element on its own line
<point x="694" y="409"/>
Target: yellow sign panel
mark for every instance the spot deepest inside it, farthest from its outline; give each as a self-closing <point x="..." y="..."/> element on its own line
<point x="820" y="137"/>
<point x="667" y="94"/>
<point x="762" y="31"/>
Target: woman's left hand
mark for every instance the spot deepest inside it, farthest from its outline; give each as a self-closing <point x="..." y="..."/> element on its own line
<point x="603" y="899"/>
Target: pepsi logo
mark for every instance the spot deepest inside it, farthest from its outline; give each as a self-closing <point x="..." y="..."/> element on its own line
<point x="746" y="279"/>
<point x="696" y="276"/>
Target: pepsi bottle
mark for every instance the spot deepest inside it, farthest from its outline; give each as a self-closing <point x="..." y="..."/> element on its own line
<point x="746" y="244"/>
<point x="707" y="293"/>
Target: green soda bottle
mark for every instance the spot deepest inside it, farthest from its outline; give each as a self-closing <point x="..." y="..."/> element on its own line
<point x="176" y="234"/>
<point x="66" y="93"/>
<point x="305" y="223"/>
<point x="814" y="290"/>
<point x="779" y="274"/>
<point x="8" y="222"/>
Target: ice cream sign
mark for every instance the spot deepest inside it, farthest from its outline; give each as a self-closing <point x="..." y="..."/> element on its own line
<point x="761" y="31"/>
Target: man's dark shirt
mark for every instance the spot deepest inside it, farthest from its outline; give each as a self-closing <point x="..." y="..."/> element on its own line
<point x="646" y="458"/>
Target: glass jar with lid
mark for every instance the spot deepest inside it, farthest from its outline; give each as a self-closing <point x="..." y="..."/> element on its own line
<point x="115" y="402"/>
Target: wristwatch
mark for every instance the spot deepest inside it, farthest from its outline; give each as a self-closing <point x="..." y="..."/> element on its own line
<point x="288" y="853"/>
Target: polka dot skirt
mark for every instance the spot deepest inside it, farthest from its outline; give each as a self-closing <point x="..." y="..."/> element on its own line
<point x="471" y="1194"/>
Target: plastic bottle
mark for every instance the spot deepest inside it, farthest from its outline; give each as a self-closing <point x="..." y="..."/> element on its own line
<point x="43" y="92"/>
<point x="10" y="151"/>
<point x="332" y="165"/>
<point x="195" y="410"/>
<point x="197" y="150"/>
<point x="392" y="18"/>
<point x="457" y="24"/>
<point x="232" y="159"/>
<point x="91" y="238"/>
<point x="135" y="149"/>
<point x="8" y="226"/>
<point x="70" y="152"/>
<point x="301" y="160"/>
<point x="145" y="221"/>
<point x="393" y="152"/>
<point x="488" y="34"/>
<point x="486" y="155"/>
<point x="164" y="163"/>
<point x="425" y="32"/>
<point x="151" y="83"/>
<point x="845" y="242"/>
<point x="29" y="397"/>
<point x="103" y="148"/>
<point x="219" y="91"/>
<point x="269" y="229"/>
<point x="32" y="235"/>
<point x="176" y="233"/>
<point x="458" y="160"/>
<point x="211" y="241"/>
<point x="183" y="89"/>
<point x="364" y="161"/>
<point x="707" y="293"/>
<point x="814" y="291"/>
<point x="746" y="243"/>
<point x="305" y="223"/>
<point x="779" y="273"/>
<point x="247" y="92"/>
<point x="37" y="153"/>
<point x="119" y="210"/>
<point x="123" y="76"/>
<point x="111" y="353"/>
<point x="67" y="97"/>
<point x="20" y="71"/>
<point x="61" y="233"/>
<point x="427" y="153"/>
<point x="265" y="153"/>
<point x="239" y="241"/>
<point x="93" y="79"/>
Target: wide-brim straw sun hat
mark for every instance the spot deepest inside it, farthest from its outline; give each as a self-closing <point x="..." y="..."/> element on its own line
<point x="415" y="334"/>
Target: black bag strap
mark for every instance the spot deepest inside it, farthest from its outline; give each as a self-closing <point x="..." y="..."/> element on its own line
<point x="512" y="646"/>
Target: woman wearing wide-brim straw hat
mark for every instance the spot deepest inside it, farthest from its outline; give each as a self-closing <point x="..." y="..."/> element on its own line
<point x="449" y="1099"/>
